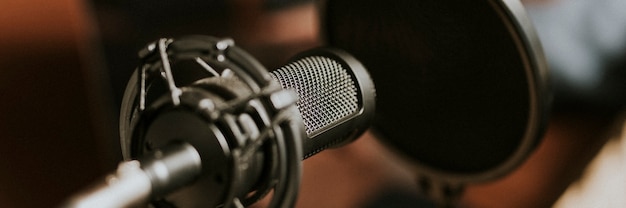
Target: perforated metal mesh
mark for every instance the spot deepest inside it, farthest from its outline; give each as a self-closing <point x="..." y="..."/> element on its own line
<point x="327" y="91"/>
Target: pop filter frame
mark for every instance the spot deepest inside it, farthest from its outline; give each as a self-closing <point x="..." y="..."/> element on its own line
<point x="463" y="90"/>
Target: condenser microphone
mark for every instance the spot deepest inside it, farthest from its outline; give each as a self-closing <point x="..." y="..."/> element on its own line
<point x="230" y="132"/>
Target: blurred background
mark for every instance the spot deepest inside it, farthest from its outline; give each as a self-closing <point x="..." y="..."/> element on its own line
<point x="64" y="66"/>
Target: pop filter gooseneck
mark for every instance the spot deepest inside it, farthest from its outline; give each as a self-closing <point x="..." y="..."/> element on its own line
<point x="462" y="85"/>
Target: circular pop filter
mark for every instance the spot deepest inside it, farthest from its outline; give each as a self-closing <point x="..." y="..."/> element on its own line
<point x="462" y="85"/>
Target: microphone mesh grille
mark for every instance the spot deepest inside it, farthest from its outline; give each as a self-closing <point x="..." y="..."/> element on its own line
<point x="327" y="91"/>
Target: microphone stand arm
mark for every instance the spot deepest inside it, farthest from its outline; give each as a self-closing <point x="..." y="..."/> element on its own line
<point x="136" y="182"/>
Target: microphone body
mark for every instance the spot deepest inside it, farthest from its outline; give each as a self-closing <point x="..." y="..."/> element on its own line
<point x="234" y="132"/>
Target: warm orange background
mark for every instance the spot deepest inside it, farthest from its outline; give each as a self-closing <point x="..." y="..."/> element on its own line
<point x="56" y="129"/>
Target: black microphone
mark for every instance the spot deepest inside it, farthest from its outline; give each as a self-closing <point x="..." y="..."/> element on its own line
<point x="204" y="119"/>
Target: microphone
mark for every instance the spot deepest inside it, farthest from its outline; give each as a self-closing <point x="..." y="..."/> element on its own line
<point x="204" y="120"/>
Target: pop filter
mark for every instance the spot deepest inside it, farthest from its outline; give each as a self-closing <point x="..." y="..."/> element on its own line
<point x="462" y="85"/>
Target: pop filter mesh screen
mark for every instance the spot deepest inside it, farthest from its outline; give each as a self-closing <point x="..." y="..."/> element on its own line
<point x="451" y="80"/>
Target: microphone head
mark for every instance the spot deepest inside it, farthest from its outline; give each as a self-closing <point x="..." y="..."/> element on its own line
<point x="461" y="87"/>
<point x="336" y="96"/>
